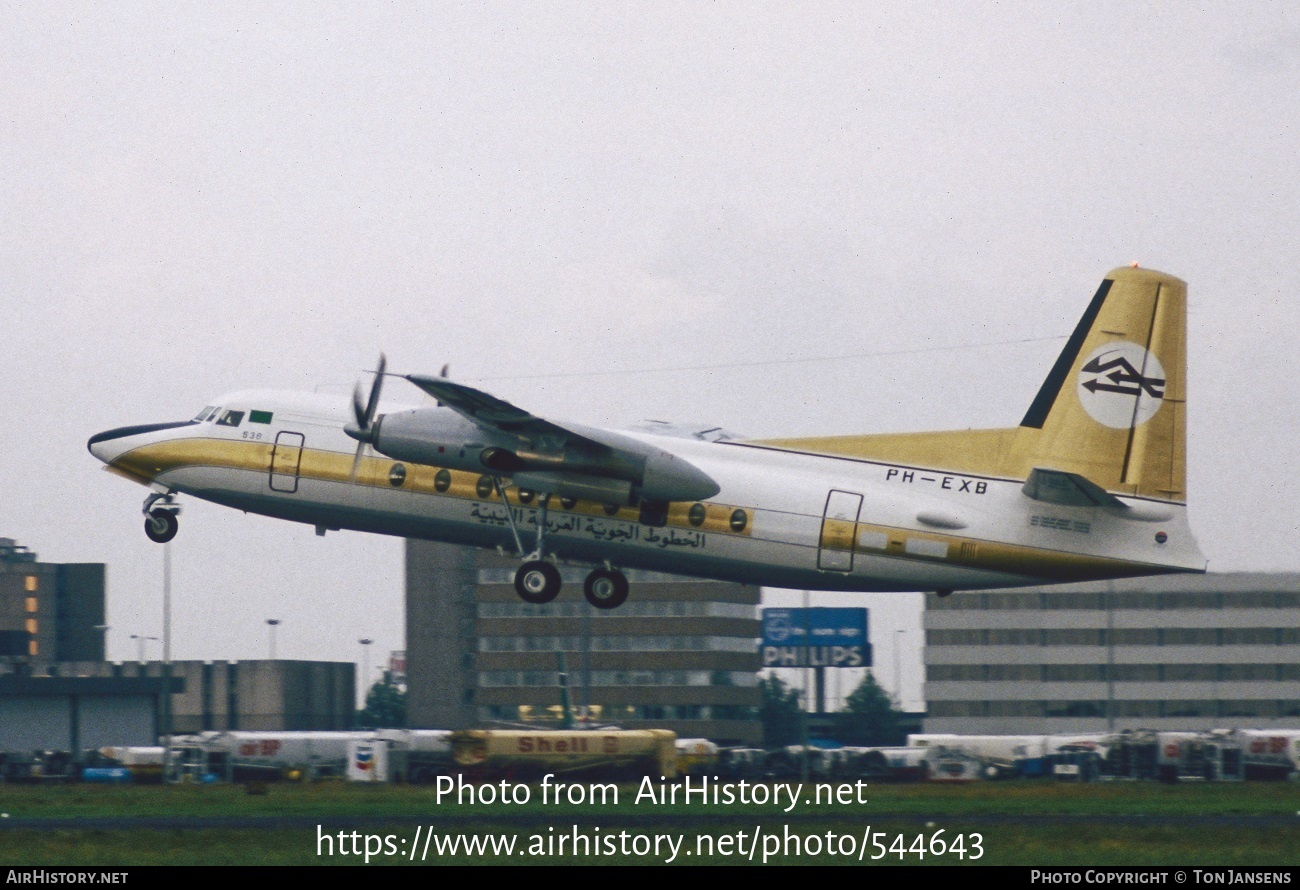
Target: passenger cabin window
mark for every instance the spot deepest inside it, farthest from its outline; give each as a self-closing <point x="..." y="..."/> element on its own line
<point x="231" y="418"/>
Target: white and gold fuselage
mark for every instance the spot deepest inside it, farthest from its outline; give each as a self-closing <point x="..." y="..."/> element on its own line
<point x="782" y="516"/>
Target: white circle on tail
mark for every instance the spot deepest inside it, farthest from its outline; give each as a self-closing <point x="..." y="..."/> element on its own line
<point x="1122" y="385"/>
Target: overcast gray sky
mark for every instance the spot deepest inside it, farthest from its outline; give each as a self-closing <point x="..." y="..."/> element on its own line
<point x="199" y="198"/>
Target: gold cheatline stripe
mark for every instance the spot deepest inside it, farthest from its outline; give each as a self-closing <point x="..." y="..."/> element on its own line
<point x="145" y="463"/>
<point x="1016" y="559"/>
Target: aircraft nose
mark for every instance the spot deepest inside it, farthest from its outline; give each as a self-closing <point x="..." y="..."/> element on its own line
<point x="109" y="444"/>
<point x="105" y="445"/>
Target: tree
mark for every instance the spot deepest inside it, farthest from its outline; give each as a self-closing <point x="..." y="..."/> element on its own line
<point x="780" y="712"/>
<point x="870" y="718"/>
<point x="385" y="705"/>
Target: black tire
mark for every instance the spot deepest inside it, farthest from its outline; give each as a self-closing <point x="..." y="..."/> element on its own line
<point x="537" y="582"/>
<point x="605" y="589"/>
<point x="160" y="526"/>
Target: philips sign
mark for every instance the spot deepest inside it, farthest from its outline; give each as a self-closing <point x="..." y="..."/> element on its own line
<point x="815" y="638"/>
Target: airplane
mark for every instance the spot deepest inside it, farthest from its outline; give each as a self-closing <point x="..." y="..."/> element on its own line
<point x="1091" y="484"/>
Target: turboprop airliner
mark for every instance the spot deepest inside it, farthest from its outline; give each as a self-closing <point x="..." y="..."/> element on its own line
<point x="1090" y="485"/>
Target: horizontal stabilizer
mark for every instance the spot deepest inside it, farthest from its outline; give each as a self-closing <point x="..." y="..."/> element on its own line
<point x="1068" y="489"/>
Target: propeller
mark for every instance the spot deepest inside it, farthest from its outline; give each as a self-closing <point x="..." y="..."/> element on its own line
<point x="364" y="429"/>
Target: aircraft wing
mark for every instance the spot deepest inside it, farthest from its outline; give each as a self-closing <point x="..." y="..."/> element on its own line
<point x="549" y="457"/>
<point x="496" y="414"/>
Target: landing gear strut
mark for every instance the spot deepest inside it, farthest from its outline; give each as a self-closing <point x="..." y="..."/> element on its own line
<point x="160" y="522"/>
<point x="605" y="588"/>
<point x="538" y="581"/>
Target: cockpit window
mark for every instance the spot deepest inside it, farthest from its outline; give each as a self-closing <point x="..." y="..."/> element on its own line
<point x="231" y="418"/>
<point x="204" y="414"/>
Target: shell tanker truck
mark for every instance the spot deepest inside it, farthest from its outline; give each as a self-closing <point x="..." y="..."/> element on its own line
<point x="525" y="754"/>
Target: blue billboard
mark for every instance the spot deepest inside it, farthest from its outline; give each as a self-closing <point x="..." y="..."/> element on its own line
<point x="821" y="637"/>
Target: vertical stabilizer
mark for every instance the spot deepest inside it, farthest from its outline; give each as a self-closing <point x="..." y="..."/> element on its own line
<point x="1113" y="408"/>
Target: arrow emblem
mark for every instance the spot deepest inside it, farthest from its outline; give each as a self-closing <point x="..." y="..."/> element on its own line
<point x="1124" y="379"/>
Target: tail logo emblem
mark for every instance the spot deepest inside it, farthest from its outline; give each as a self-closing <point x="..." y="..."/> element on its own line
<point x="1121" y="385"/>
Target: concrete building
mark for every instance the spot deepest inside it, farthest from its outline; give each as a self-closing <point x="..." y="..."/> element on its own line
<point x="50" y="611"/>
<point x="1175" y="652"/>
<point x="58" y="693"/>
<point x="73" y="714"/>
<point x="680" y="654"/>
<point x="220" y="695"/>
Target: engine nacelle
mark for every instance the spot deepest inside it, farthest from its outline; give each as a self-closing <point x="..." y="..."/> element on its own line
<point x="606" y="466"/>
<point x="587" y="488"/>
<point x="440" y="437"/>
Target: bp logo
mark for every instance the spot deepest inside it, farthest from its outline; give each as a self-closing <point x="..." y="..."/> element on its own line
<point x="1121" y="385"/>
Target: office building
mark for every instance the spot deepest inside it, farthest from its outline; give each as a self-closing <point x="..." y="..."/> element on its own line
<point x="680" y="654"/>
<point x="50" y="611"/>
<point x="1170" y="652"/>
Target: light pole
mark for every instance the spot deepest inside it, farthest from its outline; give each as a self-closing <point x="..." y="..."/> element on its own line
<point x="167" y="658"/>
<point x="140" y="641"/>
<point x="272" y="623"/>
<point x="898" y="672"/>
<point x="365" y="674"/>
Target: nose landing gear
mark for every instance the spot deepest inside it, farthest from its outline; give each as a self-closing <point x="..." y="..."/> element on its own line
<point x="160" y="522"/>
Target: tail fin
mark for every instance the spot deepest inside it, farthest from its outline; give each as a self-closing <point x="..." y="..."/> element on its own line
<point x="1113" y="408"/>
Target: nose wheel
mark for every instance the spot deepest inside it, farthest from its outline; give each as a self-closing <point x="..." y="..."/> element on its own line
<point x="160" y="522"/>
<point x="161" y="525"/>
<point x="537" y="582"/>
<point x="605" y="589"/>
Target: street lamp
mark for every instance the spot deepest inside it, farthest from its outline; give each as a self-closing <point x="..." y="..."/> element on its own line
<point x="365" y="649"/>
<point x="272" y="623"/>
<point x="140" y="641"/>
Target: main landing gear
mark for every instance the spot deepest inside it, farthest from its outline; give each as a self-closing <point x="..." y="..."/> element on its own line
<point x="605" y="588"/>
<point x="160" y="522"/>
<point x="538" y="581"/>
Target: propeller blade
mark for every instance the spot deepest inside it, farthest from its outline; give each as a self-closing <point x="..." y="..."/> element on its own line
<point x="356" y="462"/>
<point x="358" y="409"/>
<point x="375" y="389"/>
<point x="365" y="415"/>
